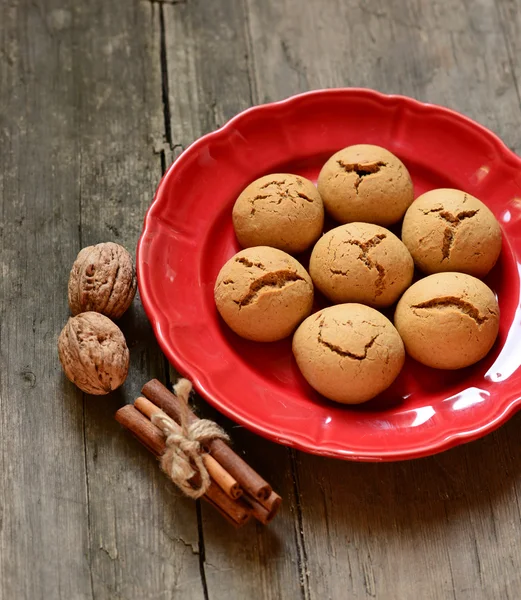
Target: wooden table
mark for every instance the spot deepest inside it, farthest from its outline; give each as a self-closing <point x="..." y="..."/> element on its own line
<point x="96" y="99"/>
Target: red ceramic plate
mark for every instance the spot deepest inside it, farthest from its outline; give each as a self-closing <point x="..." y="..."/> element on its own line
<point x="188" y="236"/>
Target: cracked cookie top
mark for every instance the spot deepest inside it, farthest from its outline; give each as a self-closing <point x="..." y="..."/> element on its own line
<point x="361" y="262"/>
<point x="448" y="320"/>
<point x="450" y="230"/>
<point x="349" y="352"/>
<point x="365" y="183"/>
<point x="263" y="294"/>
<point x="282" y="210"/>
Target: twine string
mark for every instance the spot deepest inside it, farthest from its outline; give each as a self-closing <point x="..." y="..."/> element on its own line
<point x="183" y="457"/>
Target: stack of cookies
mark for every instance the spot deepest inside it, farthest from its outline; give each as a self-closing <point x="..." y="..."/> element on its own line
<point x="350" y="351"/>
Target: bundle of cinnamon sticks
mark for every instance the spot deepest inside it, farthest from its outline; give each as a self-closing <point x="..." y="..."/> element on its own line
<point x="236" y="490"/>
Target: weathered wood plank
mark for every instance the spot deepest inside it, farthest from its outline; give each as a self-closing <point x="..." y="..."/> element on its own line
<point x="143" y="534"/>
<point x="82" y="112"/>
<point x="509" y="15"/>
<point x="446" y="525"/>
<point x="443" y="527"/>
<point x="209" y="82"/>
<point x="85" y="511"/>
<point x="263" y="558"/>
<point x="441" y="52"/>
<point x="43" y="514"/>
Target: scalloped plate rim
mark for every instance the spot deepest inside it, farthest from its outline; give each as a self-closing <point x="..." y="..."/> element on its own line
<point x="446" y="440"/>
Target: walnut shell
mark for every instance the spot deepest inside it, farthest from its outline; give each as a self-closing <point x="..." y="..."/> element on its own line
<point x="103" y="280"/>
<point x="93" y="353"/>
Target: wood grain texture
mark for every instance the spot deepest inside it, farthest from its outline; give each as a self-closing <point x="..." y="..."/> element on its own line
<point x="509" y="21"/>
<point x="143" y="534"/>
<point x="446" y="52"/>
<point x="443" y="527"/>
<point x="86" y="511"/>
<point x="43" y="496"/>
<point x="209" y="82"/>
<point x="96" y="100"/>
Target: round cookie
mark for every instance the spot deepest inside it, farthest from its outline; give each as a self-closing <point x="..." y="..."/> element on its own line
<point x="448" y="320"/>
<point x="365" y="183"/>
<point x="282" y="210"/>
<point x="263" y="294"/>
<point x="348" y="353"/>
<point x="449" y="230"/>
<point x="361" y="262"/>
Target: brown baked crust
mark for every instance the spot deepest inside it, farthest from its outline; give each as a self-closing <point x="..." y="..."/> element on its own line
<point x="361" y="262"/>
<point x="448" y="320"/>
<point x="263" y="294"/>
<point x="349" y="352"/>
<point x="450" y="230"/>
<point x="283" y="211"/>
<point x="365" y="183"/>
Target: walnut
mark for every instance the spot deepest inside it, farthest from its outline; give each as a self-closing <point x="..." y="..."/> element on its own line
<point x="102" y="279"/>
<point x="93" y="353"/>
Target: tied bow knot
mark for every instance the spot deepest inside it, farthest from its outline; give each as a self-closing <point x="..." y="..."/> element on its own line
<point x="183" y="457"/>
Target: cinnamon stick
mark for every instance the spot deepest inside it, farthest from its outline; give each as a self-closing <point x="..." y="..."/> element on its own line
<point x="272" y="503"/>
<point x="147" y="433"/>
<point x="215" y="470"/>
<point x="221" y="512"/>
<point x="221" y="477"/>
<point x="260" y="512"/>
<point x="141" y="428"/>
<point x="238" y="512"/>
<point x="152" y="438"/>
<point x="247" y="478"/>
